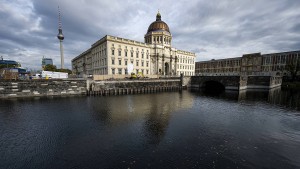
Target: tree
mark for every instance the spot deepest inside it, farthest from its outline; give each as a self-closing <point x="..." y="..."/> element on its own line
<point x="50" y="68"/>
<point x="293" y="69"/>
<point x="64" y="70"/>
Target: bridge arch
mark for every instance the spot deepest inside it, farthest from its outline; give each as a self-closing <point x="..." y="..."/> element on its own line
<point x="213" y="86"/>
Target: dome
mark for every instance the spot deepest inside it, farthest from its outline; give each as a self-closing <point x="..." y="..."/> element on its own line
<point x="158" y="25"/>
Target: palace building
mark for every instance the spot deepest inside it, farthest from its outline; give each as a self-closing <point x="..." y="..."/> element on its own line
<point x="155" y="56"/>
<point x="250" y="64"/>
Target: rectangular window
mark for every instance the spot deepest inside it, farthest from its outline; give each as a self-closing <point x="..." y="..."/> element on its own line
<point x="112" y="52"/>
<point x="142" y="63"/>
<point x="137" y="71"/>
<point x="119" y="71"/>
<point x="119" y="53"/>
<point x="137" y="63"/>
<point x="147" y="64"/>
<point x="126" y="54"/>
<point x="143" y="55"/>
<point x="113" y="61"/>
<point x="113" y="71"/>
<point x="147" y="71"/>
<point x="147" y="55"/>
<point x="126" y="62"/>
<point x="126" y="71"/>
<point x="120" y="62"/>
<point x="137" y="54"/>
<point x="131" y="54"/>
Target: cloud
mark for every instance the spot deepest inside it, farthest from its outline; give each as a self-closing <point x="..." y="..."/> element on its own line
<point x="212" y="29"/>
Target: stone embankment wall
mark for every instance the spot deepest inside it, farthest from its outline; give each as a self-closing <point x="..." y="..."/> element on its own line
<point x="104" y="88"/>
<point x="31" y="88"/>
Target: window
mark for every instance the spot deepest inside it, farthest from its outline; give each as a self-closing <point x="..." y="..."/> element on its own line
<point x="147" y="64"/>
<point x="120" y="62"/>
<point x="113" y="61"/>
<point x="143" y="55"/>
<point x="147" y="55"/>
<point x="126" y="71"/>
<point x="119" y="71"/>
<point x="119" y="52"/>
<point x="126" y="54"/>
<point x="125" y="62"/>
<point x="142" y="63"/>
<point x="131" y="54"/>
<point x="147" y="71"/>
<point x="112" y="52"/>
<point x="113" y="71"/>
<point x="137" y="63"/>
<point x="137" y="54"/>
<point x="137" y="71"/>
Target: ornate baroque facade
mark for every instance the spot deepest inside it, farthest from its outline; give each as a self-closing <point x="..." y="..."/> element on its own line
<point x="249" y="64"/>
<point x="111" y="55"/>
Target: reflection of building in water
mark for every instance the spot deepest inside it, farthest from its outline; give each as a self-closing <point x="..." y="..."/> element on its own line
<point x="276" y="96"/>
<point x="150" y="112"/>
<point x="249" y="64"/>
<point x="288" y="98"/>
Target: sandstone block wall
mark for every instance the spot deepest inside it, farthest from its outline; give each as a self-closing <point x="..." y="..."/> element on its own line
<point x="41" y="88"/>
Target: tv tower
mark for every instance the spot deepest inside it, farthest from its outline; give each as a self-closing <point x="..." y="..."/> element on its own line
<point x="61" y="37"/>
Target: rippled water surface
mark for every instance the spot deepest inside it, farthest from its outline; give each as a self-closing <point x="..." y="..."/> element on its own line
<point x="254" y="129"/>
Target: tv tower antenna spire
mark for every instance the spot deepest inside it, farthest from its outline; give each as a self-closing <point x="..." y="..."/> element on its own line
<point x="61" y="37"/>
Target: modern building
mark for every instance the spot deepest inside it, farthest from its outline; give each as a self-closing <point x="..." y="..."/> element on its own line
<point x="250" y="64"/>
<point x="46" y="61"/>
<point x="11" y="64"/>
<point x="155" y="56"/>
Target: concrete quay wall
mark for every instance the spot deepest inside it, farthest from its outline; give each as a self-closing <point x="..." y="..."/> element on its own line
<point x="31" y="88"/>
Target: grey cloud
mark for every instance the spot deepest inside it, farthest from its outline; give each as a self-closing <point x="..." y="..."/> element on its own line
<point x="211" y="29"/>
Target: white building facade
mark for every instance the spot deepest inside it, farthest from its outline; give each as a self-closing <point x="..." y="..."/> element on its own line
<point x="156" y="56"/>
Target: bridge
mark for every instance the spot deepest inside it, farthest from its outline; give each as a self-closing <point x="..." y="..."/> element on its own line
<point x="235" y="82"/>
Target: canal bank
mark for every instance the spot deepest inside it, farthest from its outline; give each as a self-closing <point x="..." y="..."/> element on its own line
<point x="42" y="87"/>
<point x="71" y="87"/>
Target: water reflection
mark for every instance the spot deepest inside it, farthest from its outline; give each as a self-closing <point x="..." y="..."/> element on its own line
<point x="155" y="110"/>
<point x="283" y="98"/>
<point x="250" y="129"/>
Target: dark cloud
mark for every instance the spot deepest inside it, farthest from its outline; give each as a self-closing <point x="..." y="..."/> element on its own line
<point x="211" y="29"/>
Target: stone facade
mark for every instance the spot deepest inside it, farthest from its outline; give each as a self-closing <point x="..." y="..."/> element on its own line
<point x="249" y="64"/>
<point x="42" y="88"/>
<point x="111" y="55"/>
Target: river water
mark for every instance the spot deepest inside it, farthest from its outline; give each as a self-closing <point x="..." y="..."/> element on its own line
<point x="253" y="129"/>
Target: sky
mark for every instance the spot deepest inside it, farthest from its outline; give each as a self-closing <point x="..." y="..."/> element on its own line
<point x="211" y="29"/>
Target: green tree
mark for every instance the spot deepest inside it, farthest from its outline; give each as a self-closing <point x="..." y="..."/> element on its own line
<point x="50" y="68"/>
<point x="64" y="70"/>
